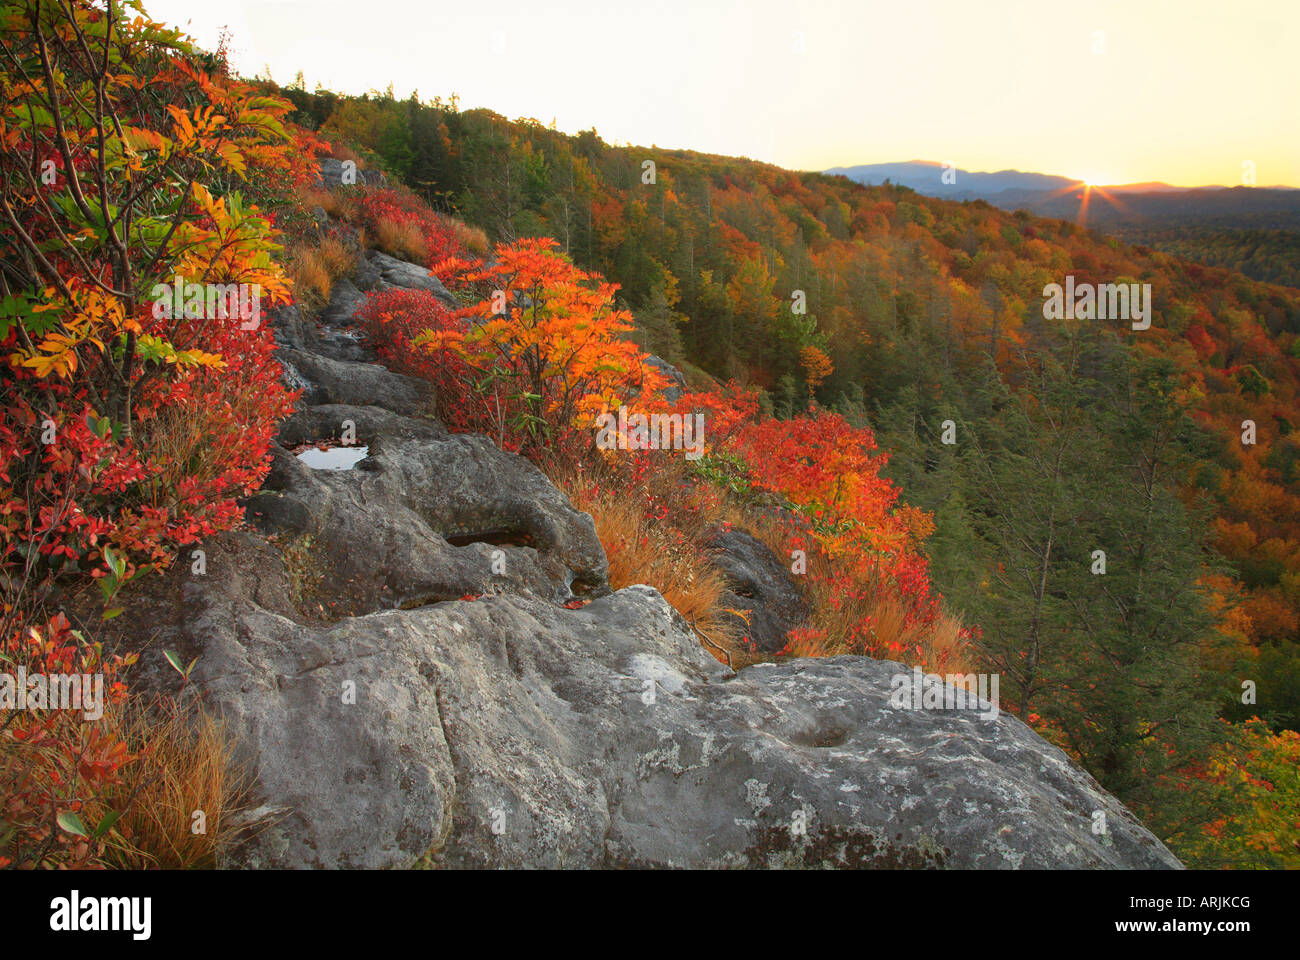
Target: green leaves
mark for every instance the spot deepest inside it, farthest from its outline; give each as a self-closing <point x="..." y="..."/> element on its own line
<point x="22" y="310"/>
<point x="29" y="116"/>
<point x="72" y="824"/>
<point x="174" y="659"/>
<point x="101" y="427"/>
<point x="13" y="310"/>
<point x="106" y="823"/>
<point x="111" y="583"/>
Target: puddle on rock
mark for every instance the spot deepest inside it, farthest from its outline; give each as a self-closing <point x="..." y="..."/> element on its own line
<point x="334" y="458"/>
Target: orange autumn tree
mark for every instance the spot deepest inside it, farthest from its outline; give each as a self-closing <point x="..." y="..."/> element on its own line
<point x="539" y="355"/>
<point x="816" y="366"/>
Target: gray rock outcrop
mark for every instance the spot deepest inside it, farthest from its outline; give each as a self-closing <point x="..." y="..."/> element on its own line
<point x="509" y="731"/>
<point x="331" y="175"/>
<point x="676" y="380"/>
<point x="408" y="276"/>
<point x="761" y="584"/>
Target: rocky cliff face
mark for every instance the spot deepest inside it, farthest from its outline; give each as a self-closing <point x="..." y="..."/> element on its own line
<point x="391" y="645"/>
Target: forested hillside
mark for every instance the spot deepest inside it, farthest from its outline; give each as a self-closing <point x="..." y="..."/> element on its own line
<point x="1171" y="450"/>
<point x="1271" y="255"/>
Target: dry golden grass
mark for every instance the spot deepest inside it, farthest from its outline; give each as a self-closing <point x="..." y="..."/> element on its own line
<point x="944" y="646"/>
<point x="330" y="201"/>
<point x="669" y="555"/>
<point x="314" y="268"/>
<point x="184" y="764"/>
<point x="471" y="239"/>
<point x="180" y="763"/>
<point x="401" y="240"/>
<point x="664" y="555"/>
<point x="311" y="277"/>
<point x="835" y="615"/>
<point x="338" y="257"/>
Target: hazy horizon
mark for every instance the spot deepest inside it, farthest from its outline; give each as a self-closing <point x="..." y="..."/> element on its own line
<point x="939" y="165"/>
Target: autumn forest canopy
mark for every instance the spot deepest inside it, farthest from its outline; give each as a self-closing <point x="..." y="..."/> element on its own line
<point x="1107" y="518"/>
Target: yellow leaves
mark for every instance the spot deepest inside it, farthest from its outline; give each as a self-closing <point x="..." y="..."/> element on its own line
<point x="155" y="348"/>
<point x="55" y="354"/>
<point x="214" y="208"/>
<point x="438" y="340"/>
<point x="233" y="159"/>
<point x="141" y="139"/>
<point x="197" y="130"/>
<point x="57" y="351"/>
<point x="92" y="318"/>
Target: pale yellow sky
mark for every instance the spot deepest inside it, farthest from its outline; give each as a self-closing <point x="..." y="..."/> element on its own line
<point x="1183" y="91"/>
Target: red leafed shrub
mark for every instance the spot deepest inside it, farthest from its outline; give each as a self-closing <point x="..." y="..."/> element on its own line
<point x="77" y="485"/>
<point x="54" y="762"/>
<point x="832" y="471"/>
<point x="394" y="319"/>
<point x="865" y="569"/>
<point x="403" y="225"/>
<point x="129" y="426"/>
<point x="726" y="410"/>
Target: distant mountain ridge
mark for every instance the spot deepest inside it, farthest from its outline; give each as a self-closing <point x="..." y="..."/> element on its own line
<point x="927" y="177"/>
<point x="1137" y="211"/>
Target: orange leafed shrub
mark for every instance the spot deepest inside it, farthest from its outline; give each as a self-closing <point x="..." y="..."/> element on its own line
<point x="540" y="355"/>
